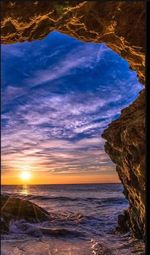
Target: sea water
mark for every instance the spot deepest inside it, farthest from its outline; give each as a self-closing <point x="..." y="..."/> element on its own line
<point x="83" y="216"/>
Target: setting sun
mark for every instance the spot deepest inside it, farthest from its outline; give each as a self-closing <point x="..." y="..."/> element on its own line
<point x="25" y="176"/>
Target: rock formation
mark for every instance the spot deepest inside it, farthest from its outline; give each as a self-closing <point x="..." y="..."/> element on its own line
<point x="13" y="208"/>
<point x="125" y="145"/>
<point x="120" y="25"/>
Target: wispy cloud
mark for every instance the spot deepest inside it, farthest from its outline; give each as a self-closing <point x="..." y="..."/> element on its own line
<point x="56" y="103"/>
<point x="80" y="57"/>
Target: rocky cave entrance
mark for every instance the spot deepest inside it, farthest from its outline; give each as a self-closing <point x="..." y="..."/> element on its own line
<point x="121" y="39"/>
<point x="67" y="92"/>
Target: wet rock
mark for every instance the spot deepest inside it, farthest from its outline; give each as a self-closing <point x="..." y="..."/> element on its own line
<point x="101" y="249"/>
<point x="123" y="222"/>
<point x="13" y="208"/>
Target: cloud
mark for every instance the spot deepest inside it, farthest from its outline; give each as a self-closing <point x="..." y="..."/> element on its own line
<point x="12" y="93"/>
<point x="80" y="57"/>
<point x="56" y="104"/>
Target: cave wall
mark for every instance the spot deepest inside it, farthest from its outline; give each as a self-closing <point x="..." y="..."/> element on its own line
<point x="121" y="25"/>
<point x="125" y="146"/>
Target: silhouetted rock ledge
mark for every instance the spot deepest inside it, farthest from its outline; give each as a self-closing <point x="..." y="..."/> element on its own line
<point x="13" y="208"/>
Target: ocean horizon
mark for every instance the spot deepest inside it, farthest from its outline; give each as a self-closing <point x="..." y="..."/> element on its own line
<point x="88" y="183"/>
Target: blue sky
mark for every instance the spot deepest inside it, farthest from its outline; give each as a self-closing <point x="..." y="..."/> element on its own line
<point x="58" y="95"/>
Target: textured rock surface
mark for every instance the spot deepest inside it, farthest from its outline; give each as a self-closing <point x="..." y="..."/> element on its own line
<point x="125" y="145"/>
<point x="121" y="26"/>
<point x="13" y="208"/>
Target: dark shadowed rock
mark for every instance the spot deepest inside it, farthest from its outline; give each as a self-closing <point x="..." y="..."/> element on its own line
<point x="123" y="222"/>
<point x="13" y="208"/>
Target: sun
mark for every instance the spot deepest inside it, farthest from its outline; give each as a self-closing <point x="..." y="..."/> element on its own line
<point x="25" y="176"/>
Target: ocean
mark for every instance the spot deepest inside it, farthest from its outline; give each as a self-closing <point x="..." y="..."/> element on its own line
<point x="84" y="215"/>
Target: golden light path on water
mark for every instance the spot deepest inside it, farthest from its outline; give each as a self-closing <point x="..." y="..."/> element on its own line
<point x="24" y="190"/>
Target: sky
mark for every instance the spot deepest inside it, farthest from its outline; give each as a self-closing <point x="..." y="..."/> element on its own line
<point x="58" y="96"/>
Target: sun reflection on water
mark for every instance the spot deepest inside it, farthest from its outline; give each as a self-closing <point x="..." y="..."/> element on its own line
<point x="25" y="190"/>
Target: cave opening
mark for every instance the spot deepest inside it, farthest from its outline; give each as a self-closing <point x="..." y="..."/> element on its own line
<point x="58" y="96"/>
<point x="87" y="213"/>
<point x="61" y="95"/>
